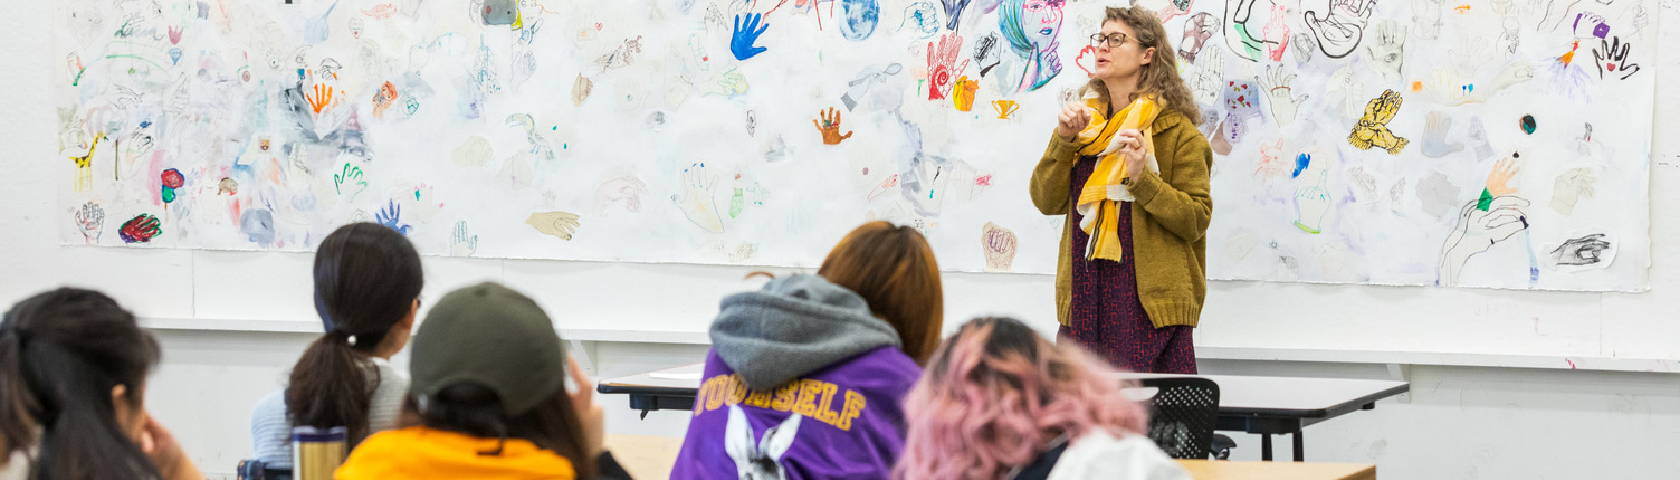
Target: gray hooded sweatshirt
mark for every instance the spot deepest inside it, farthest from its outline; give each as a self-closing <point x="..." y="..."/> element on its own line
<point x="793" y="326"/>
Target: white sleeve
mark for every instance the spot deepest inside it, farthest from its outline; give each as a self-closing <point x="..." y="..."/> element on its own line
<point x="1098" y="455"/>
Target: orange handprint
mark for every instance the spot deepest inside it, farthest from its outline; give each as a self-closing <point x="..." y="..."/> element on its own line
<point x="322" y="98"/>
<point x="830" y="127"/>
<point x="963" y="93"/>
<point x="942" y="64"/>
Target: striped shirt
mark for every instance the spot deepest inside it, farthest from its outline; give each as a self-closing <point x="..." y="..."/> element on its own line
<point x="271" y="426"/>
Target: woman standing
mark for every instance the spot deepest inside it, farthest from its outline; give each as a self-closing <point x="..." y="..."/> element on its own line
<point x="1130" y="170"/>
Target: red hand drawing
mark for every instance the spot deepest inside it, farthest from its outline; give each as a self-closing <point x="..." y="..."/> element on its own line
<point x="943" y="66"/>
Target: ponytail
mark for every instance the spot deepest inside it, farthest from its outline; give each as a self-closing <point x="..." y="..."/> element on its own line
<point x="329" y="387"/>
<point x="17" y="405"/>
<point x="367" y="277"/>
<point x="61" y="355"/>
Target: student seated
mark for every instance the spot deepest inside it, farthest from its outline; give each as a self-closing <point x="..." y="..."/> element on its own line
<point x="367" y="289"/>
<point x="1000" y="402"/>
<point x="73" y="368"/>
<point x="806" y="376"/>
<point x="489" y="400"/>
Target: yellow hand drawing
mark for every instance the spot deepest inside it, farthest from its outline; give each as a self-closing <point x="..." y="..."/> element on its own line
<point x="1372" y="129"/>
<point x="84" y="165"/>
<point x="559" y="224"/>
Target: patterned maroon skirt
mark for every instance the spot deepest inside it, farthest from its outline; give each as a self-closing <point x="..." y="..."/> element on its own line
<point x="1107" y="317"/>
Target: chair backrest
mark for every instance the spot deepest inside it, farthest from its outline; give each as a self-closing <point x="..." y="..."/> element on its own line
<point x="1182" y="415"/>
<point x="257" y="470"/>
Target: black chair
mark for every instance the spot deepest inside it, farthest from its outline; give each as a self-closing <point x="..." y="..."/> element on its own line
<point x="257" y="470"/>
<point x="1182" y="415"/>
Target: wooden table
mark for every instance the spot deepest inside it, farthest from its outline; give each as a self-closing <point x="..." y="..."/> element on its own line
<point x="1219" y="470"/>
<point x="1260" y="405"/>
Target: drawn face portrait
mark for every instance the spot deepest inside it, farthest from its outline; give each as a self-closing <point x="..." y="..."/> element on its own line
<point x="1041" y="20"/>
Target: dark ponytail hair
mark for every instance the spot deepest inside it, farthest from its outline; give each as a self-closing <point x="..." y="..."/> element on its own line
<point x="61" y="354"/>
<point x="476" y="410"/>
<point x="366" y="279"/>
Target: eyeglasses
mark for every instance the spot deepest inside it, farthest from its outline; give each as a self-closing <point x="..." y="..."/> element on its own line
<point x="1114" y="40"/>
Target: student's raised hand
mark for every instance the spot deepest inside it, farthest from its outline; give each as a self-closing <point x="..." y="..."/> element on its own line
<point x="590" y="416"/>
<point x="166" y="454"/>
<point x="1075" y="116"/>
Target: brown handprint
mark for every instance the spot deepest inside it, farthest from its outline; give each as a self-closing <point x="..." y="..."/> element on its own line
<point x="942" y="65"/>
<point x="830" y="127"/>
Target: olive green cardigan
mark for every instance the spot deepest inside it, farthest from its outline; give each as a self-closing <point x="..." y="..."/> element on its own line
<point x="1169" y="221"/>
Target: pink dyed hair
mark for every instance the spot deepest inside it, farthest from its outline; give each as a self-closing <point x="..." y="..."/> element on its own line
<point x="996" y="394"/>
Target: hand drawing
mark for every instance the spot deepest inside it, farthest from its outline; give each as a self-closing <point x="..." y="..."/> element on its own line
<point x="1479" y="139"/>
<point x="461" y="243"/>
<point x="1276" y="34"/>
<point x="746" y="34"/>
<point x="1241" y="26"/>
<point x="999" y="244"/>
<point x="1340" y="30"/>
<point x="1350" y="88"/>
<point x="1570" y="187"/>
<point x="1372" y="129"/>
<point x="1426" y="15"/>
<point x="1204" y="78"/>
<point x="90" y="219"/>
<point x="1303" y="42"/>
<point x="830" y="127"/>
<point x="1387" y="51"/>
<point x="920" y="17"/>
<point x="626" y="189"/>
<point x="887" y="185"/>
<point x="1312" y="202"/>
<point x="697" y="200"/>
<point x="558" y="224"/>
<point x="1585" y="250"/>
<point x="1367" y="184"/>
<point x="1612" y="55"/>
<point x="1435" y="128"/>
<point x="1499" y="179"/>
<point x="1197" y="30"/>
<point x="962" y="93"/>
<point x="391" y="216"/>
<point x="1478" y="230"/>
<point x="140" y="229"/>
<point x="349" y="180"/>
<point x="942" y="64"/>
<point x="1284" y="104"/>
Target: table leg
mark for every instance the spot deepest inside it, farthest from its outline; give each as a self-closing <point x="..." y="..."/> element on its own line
<point x="1265" y="447"/>
<point x="1300" y="455"/>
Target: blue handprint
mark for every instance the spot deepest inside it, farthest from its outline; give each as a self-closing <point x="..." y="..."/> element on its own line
<point x="390" y="216"/>
<point x="746" y="34"/>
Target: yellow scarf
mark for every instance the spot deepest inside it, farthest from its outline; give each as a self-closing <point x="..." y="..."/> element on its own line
<point x="1098" y="201"/>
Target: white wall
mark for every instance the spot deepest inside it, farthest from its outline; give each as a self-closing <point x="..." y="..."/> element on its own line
<point x="1461" y="422"/>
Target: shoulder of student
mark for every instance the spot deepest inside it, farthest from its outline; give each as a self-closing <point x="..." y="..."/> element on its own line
<point x="1101" y="455"/>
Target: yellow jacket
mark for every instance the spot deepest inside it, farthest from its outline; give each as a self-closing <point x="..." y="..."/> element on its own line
<point x="1169" y="221"/>
<point x="421" y="453"/>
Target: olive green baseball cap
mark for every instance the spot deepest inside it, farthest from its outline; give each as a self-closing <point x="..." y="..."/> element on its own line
<point x="493" y="336"/>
